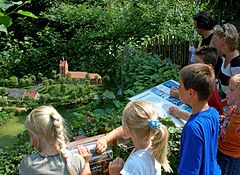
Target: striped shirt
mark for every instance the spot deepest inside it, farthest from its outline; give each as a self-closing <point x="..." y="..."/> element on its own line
<point x="226" y="73"/>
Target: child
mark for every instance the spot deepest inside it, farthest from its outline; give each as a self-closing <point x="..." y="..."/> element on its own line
<point x="199" y="139"/>
<point x="150" y="138"/>
<point x="206" y="55"/>
<point x="192" y="51"/>
<point x="229" y="139"/>
<point x="47" y="133"/>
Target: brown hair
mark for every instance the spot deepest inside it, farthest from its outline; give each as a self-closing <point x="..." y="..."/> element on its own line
<point x="207" y="54"/>
<point x="137" y="116"/>
<point x="204" y="20"/>
<point x="199" y="77"/>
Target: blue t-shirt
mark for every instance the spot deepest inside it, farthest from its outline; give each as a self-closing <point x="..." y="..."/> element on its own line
<point x="199" y="143"/>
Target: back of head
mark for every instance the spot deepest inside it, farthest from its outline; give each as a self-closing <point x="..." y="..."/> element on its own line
<point x="207" y="54"/>
<point x="204" y="20"/>
<point x="47" y="125"/>
<point x="199" y="77"/>
<point x="235" y="79"/>
<point x="137" y="116"/>
<point x="229" y="33"/>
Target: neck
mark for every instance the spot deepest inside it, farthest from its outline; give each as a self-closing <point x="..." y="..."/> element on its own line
<point x="231" y="54"/>
<point x="207" y="33"/>
<point x="49" y="151"/>
<point x="139" y="145"/>
<point x="199" y="106"/>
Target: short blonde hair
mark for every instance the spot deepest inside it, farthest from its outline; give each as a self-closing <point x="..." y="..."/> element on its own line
<point x="235" y="79"/>
<point x="137" y="116"/>
<point x="230" y="33"/>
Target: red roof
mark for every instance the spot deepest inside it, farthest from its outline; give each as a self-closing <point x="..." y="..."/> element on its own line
<point x="77" y="74"/>
<point x="32" y="94"/>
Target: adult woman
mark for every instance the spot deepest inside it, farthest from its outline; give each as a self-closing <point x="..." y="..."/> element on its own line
<point x="225" y="39"/>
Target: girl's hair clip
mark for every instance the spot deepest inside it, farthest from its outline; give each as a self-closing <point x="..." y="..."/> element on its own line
<point x="155" y="124"/>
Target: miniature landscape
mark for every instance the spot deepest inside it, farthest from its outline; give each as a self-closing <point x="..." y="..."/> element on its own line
<point x="86" y="59"/>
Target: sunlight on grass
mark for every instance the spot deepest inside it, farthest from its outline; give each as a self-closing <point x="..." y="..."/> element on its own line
<point x="9" y="132"/>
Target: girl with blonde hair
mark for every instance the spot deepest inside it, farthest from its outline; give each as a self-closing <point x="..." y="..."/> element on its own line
<point x="48" y="135"/>
<point x="229" y="137"/>
<point x="150" y="138"/>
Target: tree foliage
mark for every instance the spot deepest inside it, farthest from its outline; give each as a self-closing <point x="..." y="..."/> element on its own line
<point x="87" y="33"/>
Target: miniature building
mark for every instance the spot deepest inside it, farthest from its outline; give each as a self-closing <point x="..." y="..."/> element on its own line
<point x="31" y="93"/>
<point x="63" y="68"/>
<point x="16" y="93"/>
<point x="21" y="93"/>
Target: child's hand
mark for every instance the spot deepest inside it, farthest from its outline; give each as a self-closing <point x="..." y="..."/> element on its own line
<point x="84" y="152"/>
<point x="101" y="145"/>
<point x="115" y="166"/>
<point x="174" y="111"/>
<point x="174" y="92"/>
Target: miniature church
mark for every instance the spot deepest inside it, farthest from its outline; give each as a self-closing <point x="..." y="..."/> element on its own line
<point x="64" y="72"/>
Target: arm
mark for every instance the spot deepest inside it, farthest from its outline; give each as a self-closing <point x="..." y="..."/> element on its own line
<point x="85" y="153"/>
<point x="174" y="92"/>
<point x="224" y="102"/>
<point x="192" y="147"/>
<point x="116" y="166"/>
<point x="87" y="170"/>
<point x="179" y="114"/>
<point x="108" y="139"/>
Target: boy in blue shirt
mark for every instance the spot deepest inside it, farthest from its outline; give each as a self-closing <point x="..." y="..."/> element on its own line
<point x="199" y="139"/>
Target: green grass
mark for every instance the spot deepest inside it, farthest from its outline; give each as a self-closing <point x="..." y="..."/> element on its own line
<point x="10" y="130"/>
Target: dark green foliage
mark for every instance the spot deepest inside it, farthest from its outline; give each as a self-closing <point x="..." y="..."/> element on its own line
<point x="11" y="157"/>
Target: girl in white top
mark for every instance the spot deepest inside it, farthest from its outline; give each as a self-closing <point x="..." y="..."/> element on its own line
<point x="150" y="138"/>
<point x="48" y="134"/>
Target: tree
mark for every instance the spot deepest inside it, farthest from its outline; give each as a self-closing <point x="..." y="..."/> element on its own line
<point x="224" y="11"/>
<point x="13" y="81"/>
<point x="5" y="19"/>
<point x="3" y="91"/>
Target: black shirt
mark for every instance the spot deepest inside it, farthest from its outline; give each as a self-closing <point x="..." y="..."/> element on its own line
<point x="206" y="41"/>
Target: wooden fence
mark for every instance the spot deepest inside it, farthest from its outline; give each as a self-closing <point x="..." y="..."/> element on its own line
<point x="169" y="47"/>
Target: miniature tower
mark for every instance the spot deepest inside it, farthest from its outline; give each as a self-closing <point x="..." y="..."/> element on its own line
<point x="63" y="68"/>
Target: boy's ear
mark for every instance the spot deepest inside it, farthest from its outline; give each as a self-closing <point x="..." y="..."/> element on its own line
<point x="191" y="92"/>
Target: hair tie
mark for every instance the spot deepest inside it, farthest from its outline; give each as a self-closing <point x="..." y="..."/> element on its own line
<point x="155" y="124"/>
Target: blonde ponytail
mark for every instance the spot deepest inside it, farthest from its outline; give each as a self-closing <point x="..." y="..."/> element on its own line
<point x="60" y="135"/>
<point x="159" y="147"/>
<point x="141" y="117"/>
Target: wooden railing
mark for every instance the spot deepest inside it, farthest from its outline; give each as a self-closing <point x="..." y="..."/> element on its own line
<point x="170" y="46"/>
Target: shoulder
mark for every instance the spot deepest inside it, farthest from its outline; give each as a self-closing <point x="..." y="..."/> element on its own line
<point x="191" y="49"/>
<point x="198" y="122"/>
<point x="140" y="162"/>
<point x="235" y="62"/>
<point x="77" y="161"/>
<point x="30" y="158"/>
<point x="27" y="162"/>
